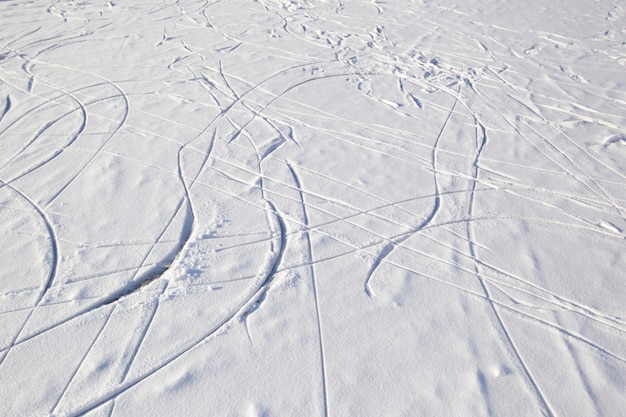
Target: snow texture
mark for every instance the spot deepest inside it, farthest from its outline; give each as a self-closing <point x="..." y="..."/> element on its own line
<point x="312" y="208"/>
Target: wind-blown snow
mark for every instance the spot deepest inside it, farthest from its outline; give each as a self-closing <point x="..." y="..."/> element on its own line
<point x="312" y="207"/>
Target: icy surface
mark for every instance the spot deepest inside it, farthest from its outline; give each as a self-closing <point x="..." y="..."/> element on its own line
<point x="312" y="208"/>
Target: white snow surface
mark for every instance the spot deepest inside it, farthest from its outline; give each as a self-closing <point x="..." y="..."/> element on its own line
<point x="312" y="208"/>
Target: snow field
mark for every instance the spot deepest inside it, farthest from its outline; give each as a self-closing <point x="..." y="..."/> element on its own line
<point x="312" y="207"/>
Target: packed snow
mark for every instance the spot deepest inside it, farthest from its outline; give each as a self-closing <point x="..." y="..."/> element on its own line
<point x="312" y="208"/>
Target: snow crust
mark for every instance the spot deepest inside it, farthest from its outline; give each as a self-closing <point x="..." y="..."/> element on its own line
<point x="312" y="207"/>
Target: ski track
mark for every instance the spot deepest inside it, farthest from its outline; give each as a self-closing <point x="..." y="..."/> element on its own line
<point x="450" y="108"/>
<point x="50" y="277"/>
<point x="305" y="219"/>
<point x="481" y="143"/>
<point x="386" y="251"/>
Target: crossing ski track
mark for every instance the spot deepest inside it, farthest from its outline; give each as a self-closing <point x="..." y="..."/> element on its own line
<point x="316" y="207"/>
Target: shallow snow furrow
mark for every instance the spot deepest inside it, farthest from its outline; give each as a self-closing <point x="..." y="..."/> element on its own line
<point x="47" y="283"/>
